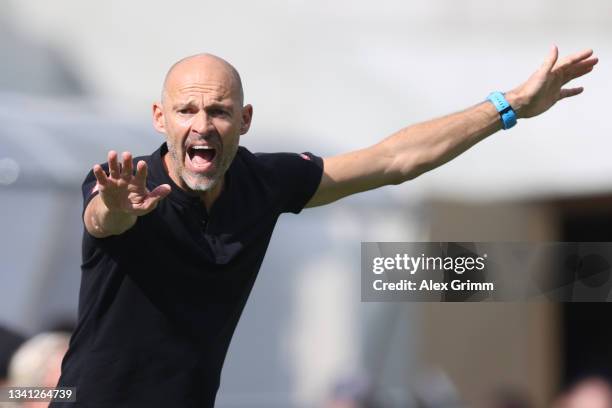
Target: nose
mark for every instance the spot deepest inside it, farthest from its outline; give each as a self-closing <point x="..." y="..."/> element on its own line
<point x="201" y="123"/>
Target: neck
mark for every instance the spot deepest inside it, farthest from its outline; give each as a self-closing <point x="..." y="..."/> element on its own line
<point x="207" y="197"/>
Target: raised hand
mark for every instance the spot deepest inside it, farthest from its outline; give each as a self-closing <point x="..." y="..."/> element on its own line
<point x="545" y="87"/>
<point x="122" y="191"/>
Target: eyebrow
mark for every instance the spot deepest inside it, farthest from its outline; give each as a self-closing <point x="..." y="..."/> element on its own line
<point x="212" y="105"/>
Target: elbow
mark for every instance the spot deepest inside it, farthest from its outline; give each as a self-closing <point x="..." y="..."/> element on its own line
<point x="407" y="167"/>
<point x="407" y="161"/>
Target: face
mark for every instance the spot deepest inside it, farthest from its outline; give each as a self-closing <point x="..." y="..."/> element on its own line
<point x="202" y="117"/>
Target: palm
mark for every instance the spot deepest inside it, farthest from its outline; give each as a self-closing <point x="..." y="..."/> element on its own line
<point x="124" y="191"/>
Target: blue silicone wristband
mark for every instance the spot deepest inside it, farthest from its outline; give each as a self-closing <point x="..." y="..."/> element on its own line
<point x="507" y="114"/>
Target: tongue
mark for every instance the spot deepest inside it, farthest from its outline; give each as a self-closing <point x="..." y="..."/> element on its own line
<point x="202" y="157"/>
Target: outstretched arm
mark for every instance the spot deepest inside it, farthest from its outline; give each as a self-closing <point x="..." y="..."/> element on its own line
<point x="416" y="149"/>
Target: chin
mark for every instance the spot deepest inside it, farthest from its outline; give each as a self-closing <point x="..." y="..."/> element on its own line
<point x="199" y="183"/>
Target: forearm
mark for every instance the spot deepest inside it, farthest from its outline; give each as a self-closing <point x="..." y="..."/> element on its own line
<point x="422" y="147"/>
<point x="101" y="222"/>
<point x="425" y="146"/>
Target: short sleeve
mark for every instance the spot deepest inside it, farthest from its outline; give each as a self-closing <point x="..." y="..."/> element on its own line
<point x="297" y="176"/>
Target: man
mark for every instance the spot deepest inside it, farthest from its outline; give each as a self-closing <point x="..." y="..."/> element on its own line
<point x="171" y="248"/>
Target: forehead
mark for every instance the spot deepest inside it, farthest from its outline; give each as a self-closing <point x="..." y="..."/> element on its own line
<point x="197" y="81"/>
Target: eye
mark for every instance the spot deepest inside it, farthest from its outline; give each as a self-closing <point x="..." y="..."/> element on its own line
<point x="185" y="111"/>
<point x="218" y="112"/>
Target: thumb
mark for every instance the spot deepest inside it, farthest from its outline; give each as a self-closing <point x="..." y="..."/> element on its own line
<point x="550" y="61"/>
<point x="160" y="191"/>
<point x="156" y="195"/>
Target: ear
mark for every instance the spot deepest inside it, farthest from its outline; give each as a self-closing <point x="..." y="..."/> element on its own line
<point x="158" y="117"/>
<point x="247" y="116"/>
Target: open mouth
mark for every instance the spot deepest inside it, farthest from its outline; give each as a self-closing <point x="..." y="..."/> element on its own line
<point x="201" y="158"/>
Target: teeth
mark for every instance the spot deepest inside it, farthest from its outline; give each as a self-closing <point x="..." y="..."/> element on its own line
<point x="201" y="147"/>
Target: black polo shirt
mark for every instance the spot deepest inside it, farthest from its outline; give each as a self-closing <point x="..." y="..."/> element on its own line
<point x="159" y="303"/>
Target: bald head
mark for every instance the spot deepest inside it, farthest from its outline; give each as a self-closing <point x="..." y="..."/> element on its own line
<point x="203" y="68"/>
<point x="202" y="102"/>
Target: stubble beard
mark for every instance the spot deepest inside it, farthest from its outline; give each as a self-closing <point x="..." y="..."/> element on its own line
<point x="199" y="182"/>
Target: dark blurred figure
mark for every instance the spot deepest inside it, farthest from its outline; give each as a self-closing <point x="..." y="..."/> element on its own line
<point x="9" y="343"/>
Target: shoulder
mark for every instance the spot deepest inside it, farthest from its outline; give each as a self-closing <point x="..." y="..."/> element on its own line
<point x="290" y="179"/>
<point x="273" y="162"/>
